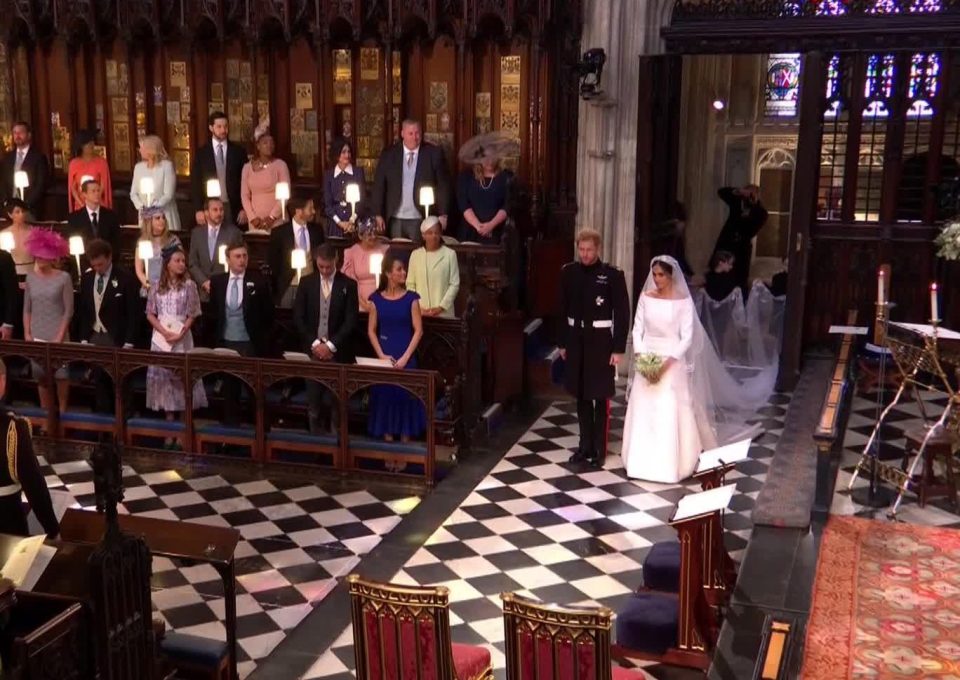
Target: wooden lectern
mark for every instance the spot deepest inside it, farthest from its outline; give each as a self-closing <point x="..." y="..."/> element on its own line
<point x="641" y="618"/>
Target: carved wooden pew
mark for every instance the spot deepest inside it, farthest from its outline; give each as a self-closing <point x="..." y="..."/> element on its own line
<point x="348" y="450"/>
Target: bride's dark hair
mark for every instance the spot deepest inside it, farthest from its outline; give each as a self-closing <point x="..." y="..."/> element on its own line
<point x="665" y="266"/>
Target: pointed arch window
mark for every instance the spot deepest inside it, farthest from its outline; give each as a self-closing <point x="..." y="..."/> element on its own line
<point x="924" y="81"/>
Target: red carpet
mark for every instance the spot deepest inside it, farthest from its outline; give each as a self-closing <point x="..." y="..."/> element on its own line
<point x="886" y="603"/>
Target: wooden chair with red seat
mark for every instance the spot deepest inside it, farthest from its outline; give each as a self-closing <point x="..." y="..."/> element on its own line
<point x="547" y="642"/>
<point x="404" y="633"/>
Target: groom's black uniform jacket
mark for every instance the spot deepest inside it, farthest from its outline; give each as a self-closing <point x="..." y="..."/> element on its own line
<point x="597" y="319"/>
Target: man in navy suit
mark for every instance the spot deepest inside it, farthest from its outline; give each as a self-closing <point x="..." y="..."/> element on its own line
<point x="222" y="160"/>
<point x="28" y="158"/>
<point x="402" y="171"/>
<point x="243" y="317"/>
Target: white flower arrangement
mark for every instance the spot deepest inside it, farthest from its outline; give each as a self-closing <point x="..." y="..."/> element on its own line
<point x="948" y="241"/>
<point x="649" y="365"/>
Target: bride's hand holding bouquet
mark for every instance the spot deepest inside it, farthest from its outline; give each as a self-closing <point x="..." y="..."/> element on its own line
<point x="650" y="366"/>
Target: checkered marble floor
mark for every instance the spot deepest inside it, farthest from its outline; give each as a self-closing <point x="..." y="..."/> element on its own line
<point x="906" y="415"/>
<point x="296" y="540"/>
<point x="555" y="532"/>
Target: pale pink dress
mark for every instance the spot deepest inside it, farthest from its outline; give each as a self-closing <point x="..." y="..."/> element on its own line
<point x="258" y="190"/>
<point x="356" y="265"/>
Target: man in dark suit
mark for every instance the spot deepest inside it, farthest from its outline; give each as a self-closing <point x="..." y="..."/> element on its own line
<point x="94" y="221"/>
<point x="325" y="314"/>
<point x="745" y="220"/>
<point x="223" y="160"/>
<point x="299" y="232"/>
<point x="109" y="312"/>
<point x="9" y="296"/>
<point x="402" y="171"/>
<point x="26" y="157"/>
<point x="243" y="316"/>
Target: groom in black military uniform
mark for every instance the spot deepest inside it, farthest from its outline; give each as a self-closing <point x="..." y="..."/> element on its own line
<point x="594" y="338"/>
<point x="21" y="471"/>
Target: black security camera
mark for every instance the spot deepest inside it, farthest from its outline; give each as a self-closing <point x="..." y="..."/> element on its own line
<point x="590" y="69"/>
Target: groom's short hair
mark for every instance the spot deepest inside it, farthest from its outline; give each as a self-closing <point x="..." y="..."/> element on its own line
<point x="590" y="235"/>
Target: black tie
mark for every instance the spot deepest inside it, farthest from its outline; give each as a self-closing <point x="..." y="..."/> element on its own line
<point x="96" y="223"/>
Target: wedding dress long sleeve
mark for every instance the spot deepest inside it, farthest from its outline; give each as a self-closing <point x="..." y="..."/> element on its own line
<point x="661" y="437"/>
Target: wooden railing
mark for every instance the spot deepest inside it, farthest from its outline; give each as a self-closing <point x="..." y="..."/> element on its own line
<point x="828" y="432"/>
<point x="341" y="382"/>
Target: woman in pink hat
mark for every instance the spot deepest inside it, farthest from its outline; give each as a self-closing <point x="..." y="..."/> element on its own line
<point x="48" y="302"/>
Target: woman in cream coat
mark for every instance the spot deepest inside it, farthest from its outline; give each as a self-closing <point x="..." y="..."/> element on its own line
<point x="434" y="272"/>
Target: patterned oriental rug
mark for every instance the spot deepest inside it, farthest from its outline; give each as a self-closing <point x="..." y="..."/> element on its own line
<point x="886" y="602"/>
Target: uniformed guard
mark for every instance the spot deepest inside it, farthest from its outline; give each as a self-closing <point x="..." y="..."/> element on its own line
<point x="597" y="320"/>
<point x="21" y="472"/>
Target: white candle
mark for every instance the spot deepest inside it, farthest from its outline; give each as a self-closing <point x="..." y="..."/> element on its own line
<point x="934" y="303"/>
<point x="376" y="263"/>
<point x="76" y="249"/>
<point x="426" y="199"/>
<point x="7" y="241"/>
<point x="146" y="189"/>
<point x="20" y="181"/>
<point x="213" y="188"/>
<point x="880" y="287"/>
<point x="222" y="255"/>
<point x="298" y="260"/>
<point x="145" y="250"/>
<point x="352" y="195"/>
<point x="282" y="194"/>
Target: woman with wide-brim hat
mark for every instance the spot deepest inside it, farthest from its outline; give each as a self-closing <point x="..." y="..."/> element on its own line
<point x="483" y="190"/>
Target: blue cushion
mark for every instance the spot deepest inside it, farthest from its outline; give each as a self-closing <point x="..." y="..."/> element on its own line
<point x="87" y="417"/>
<point x="301" y="437"/>
<point x="226" y="430"/>
<point x="155" y="424"/>
<point x="661" y="568"/>
<point x="29" y="411"/>
<point x="647" y="622"/>
<point x="193" y="649"/>
<point x="387" y="447"/>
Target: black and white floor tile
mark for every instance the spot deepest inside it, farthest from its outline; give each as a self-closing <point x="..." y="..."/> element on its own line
<point x="296" y="540"/>
<point x="905" y="415"/>
<point x="559" y="533"/>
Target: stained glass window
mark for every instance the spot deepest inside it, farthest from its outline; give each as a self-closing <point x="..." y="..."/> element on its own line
<point x="878" y="85"/>
<point x="831" y="8"/>
<point x="833" y="145"/>
<point x="783" y="84"/>
<point x="924" y="80"/>
<point x="884" y="7"/>
<point x="833" y="85"/>
<point x="925" y="6"/>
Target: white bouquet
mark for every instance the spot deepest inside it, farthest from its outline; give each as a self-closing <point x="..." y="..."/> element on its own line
<point x="649" y="365"/>
<point x="948" y="241"/>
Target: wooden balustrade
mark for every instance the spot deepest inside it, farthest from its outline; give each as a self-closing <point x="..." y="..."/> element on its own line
<point x="351" y="451"/>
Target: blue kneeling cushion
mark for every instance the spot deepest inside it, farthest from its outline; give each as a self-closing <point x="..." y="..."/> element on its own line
<point x="661" y="568"/>
<point x="87" y="417"/>
<point x="161" y="424"/>
<point x="647" y="622"/>
<point x="193" y="649"/>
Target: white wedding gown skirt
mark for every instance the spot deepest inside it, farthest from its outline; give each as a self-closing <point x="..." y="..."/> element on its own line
<point x="662" y="440"/>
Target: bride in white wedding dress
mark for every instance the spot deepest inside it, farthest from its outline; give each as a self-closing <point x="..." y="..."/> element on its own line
<point x="672" y="419"/>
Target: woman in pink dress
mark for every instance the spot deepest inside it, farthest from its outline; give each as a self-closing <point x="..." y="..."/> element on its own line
<point x="258" y="185"/>
<point x="356" y="260"/>
<point x="88" y="164"/>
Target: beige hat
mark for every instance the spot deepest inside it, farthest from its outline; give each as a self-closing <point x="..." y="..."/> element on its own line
<point x="429" y="223"/>
<point x="491" y="146"/>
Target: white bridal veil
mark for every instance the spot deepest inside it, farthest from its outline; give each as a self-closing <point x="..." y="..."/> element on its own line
<point x="727" y="391"/>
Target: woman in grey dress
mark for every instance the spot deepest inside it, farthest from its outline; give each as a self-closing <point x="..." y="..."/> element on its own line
<point x="48" y="303"/>
<point x="172" y="307"/>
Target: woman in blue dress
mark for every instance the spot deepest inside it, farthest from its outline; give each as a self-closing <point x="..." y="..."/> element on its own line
<point x="395" y="329"/>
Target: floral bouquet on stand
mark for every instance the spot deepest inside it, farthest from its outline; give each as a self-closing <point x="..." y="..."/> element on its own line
<point x="948" y="241"/>
<point x="649" y="365"/>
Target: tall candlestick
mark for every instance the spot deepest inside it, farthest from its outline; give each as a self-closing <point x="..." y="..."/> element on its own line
<point x="222" y="255"/>
<point x="282" y="193"/>
<point x="147" y="188"/>
<point x="298" y="261"/>
<point x="934" y="303"/>
<point x="213" y="188"/>
<point x="881" y="280"/>
<point x="352" y="195"/>
<point x="376" y="263"/>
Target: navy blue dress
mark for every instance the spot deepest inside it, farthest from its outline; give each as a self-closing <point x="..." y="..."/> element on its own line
<point x="485" y="202"/>
<point x="335" y="205"/>
<point x="393" y="410"/>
